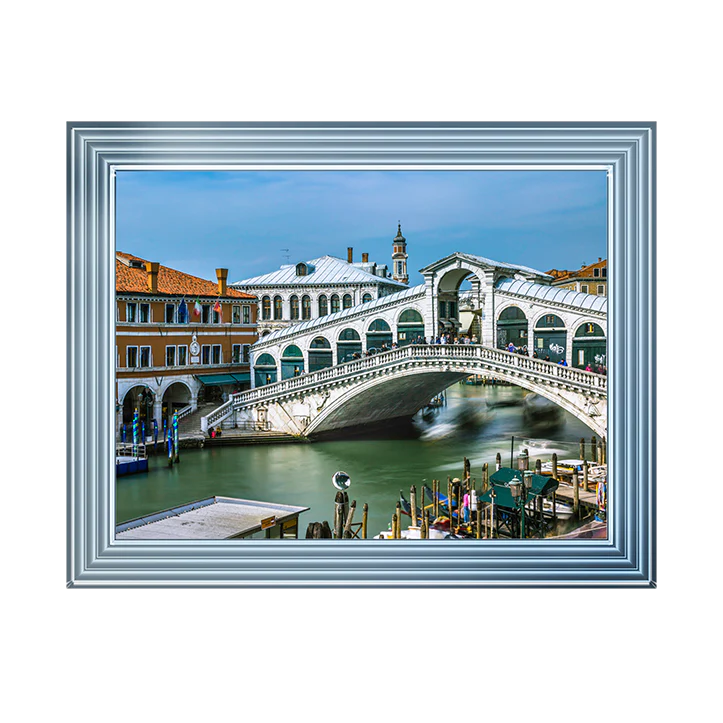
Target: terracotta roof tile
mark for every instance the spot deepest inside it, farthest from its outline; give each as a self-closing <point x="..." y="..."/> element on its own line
<point x="170" y="281"/>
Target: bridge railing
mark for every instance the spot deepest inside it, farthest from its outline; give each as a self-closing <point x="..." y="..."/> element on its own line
<point x="504" y="360"/>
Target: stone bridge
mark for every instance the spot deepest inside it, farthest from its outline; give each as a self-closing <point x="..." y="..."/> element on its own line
<point x="398" y="383"/>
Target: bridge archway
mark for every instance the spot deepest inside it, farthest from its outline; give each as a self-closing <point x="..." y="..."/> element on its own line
<point x="292" y="362"/>
<point x="589" y="346"/>
<point x="379" y="334"/>
<point x="176" y="396"/>
<point x="550" y="337"/>
<point x="139" y="397"/>
<point x="512" y="327"/>
<point x="348" y="344"/>
<point x="265" y="371"/>
<point x="410" y="327"/>
<point x="320" y="354"/>
<point x="447" y="291"/>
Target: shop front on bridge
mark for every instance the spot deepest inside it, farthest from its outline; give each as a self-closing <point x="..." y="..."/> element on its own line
<point x="589" y="347"/>
<point x="550" y="338"/>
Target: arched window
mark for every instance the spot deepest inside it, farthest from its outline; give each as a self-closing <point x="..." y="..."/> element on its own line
<point x="349" y="335"/>
<point x="278" y="309"/>
<point x="366" y="297"/>
<point x="294" y="303"/>
<point x="550" y="321"/>
<point x="323" y="305"/>
<point x="301" y="270"/>
<point x="379" y="325"/>
<point x="266" y="308"/>
<point x="334" y="303"/>
<point x="305" y="307"/>
<point x="347" y="301"/>
<point x="320" y="343"/>
<point x="410" y="316"/>
<point x="550" y="338"/>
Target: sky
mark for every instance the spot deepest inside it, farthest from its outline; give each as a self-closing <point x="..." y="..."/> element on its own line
<point x="252" y="222"/>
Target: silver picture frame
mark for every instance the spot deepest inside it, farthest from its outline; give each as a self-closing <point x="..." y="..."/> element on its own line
<point x="96" y="151"/>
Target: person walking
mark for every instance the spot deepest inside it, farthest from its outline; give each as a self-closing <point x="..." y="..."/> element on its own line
<point x="465" y="506"/>
<point x="473" y="505"/>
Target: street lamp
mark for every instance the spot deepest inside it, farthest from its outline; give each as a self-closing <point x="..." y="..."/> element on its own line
<point x="520" y="490"/>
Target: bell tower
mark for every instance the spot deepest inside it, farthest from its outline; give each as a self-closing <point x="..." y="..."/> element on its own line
<point x="399" y="257"/>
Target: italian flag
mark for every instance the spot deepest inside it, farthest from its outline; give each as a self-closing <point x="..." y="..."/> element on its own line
<point x="197" y="309"/>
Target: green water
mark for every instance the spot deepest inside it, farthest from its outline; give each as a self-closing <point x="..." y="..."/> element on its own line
<point x="470" y="425"/>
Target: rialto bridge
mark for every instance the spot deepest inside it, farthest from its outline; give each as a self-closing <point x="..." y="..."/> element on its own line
<point x="316" y="376"/>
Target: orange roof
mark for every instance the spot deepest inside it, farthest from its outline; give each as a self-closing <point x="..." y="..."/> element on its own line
<point x="174" y="283"/>
<point x="584" y="273"/>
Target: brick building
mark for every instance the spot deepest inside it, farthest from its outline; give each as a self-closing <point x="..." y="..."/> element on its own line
<point x="168" y="357"/>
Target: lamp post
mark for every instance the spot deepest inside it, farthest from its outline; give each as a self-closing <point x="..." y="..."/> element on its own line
<point x="520" y="490"/>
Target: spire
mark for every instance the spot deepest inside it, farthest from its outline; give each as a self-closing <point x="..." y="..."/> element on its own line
<point x="399" y="236"/>
<point x="399" y="257"/>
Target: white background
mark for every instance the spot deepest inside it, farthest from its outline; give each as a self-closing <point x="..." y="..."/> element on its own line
<point x="543" y="655"/>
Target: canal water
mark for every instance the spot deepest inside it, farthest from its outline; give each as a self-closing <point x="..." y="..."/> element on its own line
<point x="476" y="422"/>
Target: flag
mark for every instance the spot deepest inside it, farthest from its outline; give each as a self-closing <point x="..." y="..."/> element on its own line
<point x="182" y="311"/>
<point x="217" y="307"/>
<point x="197" y="309"/>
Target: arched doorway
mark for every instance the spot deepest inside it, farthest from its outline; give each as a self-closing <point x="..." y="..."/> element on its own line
<point x="320" y="354"/>
<point x="550" y="338"/>
<point x="265" y="371"/>
<point x="511" y="328"/>
<point x="455" y="281"/>
<point x="176" y="397"/>
<point x="349" y="343"/>
<point x="292" y="362"/>
<point x="589" y="347"/>
<point x="410" y="327"/>
<point x="142" y="399"/>
<point x="379" y="333"/>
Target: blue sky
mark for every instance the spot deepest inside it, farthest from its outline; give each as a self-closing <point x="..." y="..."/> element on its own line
<point x="197" y="221"/>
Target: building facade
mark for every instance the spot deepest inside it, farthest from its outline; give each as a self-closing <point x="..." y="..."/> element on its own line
<point x="179" y="340"/>
<point x="590" y="279"/>
<point x="312" y="289"/>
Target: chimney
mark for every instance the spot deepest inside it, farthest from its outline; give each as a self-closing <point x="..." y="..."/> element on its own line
<point x="222" y="275"/>
<point x="365" y="258"/>
<point x="152" y="269"/>
<point x="350" y="254"/>
<point x="599" y="259"/>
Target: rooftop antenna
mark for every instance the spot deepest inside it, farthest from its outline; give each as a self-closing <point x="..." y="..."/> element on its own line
<point x="287" y="256"/>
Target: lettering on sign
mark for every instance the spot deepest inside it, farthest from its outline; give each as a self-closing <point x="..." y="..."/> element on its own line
<point x="268" y="522"/>
<point x="195" y="360"/>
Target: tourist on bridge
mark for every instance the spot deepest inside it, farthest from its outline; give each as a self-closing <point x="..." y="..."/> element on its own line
<point x="474" y="339"/>
<point x="562" y="363"/>
<point x="511" y="348"/>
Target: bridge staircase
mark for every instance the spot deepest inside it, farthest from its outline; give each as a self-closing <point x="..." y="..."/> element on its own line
<point x="189" y="425"/>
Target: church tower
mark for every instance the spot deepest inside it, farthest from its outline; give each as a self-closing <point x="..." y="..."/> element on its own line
<point x="399" y="258"/>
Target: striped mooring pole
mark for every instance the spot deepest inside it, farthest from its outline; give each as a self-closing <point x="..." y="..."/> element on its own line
<point x="135" y="433"/>
<point x="175" y="437"/>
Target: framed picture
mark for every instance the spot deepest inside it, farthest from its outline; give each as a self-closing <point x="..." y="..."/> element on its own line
<point x="222" y="426"/>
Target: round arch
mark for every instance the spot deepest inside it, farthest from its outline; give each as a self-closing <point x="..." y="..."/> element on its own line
<point x="321" y="355"/>
<point x="410" y="326"/>
<point x="292" y="362"/>
<point x="348" y="345"/>
<point x="265" y="370"/>
<point x="550" y="337"/>
<point x="512" y="327"/>
<point x="379" y="335"/>
<point x="589" y="347"/>
<point x="140" y="397"/>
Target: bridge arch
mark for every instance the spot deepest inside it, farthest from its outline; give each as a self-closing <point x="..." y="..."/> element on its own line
<point x="405" y="391"/>
<point x="512" y="326"/>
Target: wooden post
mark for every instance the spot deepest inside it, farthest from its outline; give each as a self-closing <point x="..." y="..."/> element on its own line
<point x="493" y="525"/>
<point x="325" y="530"/>
<point x="467" y="469"/>
<point x="554" y="465"/>
<point x="585" y="483"/>
<point x="413" y="503"/>
<point x="338" y="514"/>
<point x="485" y="477"/>
<point x="449" y="501"/>
<point x="498" y="461"/>
<point x="575" y="495"/>
<point x="600" y="452"/>
<point x="593" y="448"/>
<point x="478" y="521"/>
<point x="365" y="514"/>
<point x="582" y="447"/>
<point x="347" y="525"/>
<point x="538" y="466"/>
<point x="394" y="526"/>
<point x="399" y="521"/>
<point x="554" y="508"/>
<point x="435" y="497"/>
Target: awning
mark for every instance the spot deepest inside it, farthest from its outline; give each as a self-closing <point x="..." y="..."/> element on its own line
<point x="211" y="380"/>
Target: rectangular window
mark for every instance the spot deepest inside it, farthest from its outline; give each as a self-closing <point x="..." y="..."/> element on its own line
<point x="145" y="313"/>
<point x="583" y="288"/>
<point x="523" y="333"/>
<point x="549" y="320"/>
<point x="131" y="315"/>
<point x="601" y="290"/>
<point x="205" y="313"/>
<point x="170" y="313"/>
<point x="596" y="272"/>
<point x="247" y="314"/>
<point x="605" y="272"/>
<point x="246" y="353"/>
<point x="580" y="357"/>
<point x="216" y="354"/>
<point x="170" y="356"/>
<point x="236" y="354"/>
<point x="182" y="356"/>
<point x="540" y="342"/>
<point x="132" y="356"/>
<point x="205" y="354"/>
<point x="236" y="314"/>
<point x="442" y="310"/>
<point x="216" y="317"/>
<point x="145" y="356"/>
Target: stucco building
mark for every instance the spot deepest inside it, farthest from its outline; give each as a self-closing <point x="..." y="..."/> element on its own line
<point x="179" y="339"/>
<point x="590" y="279"/>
